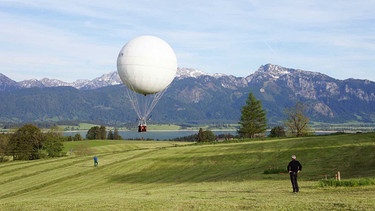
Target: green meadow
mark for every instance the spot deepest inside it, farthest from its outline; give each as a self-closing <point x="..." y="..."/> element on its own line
<point x="164" y="175"/>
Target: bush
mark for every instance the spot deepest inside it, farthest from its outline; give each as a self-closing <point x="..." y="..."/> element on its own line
<point x="4" y="159"/>
<point x="4" y="139"/>
<point x="205" y="136"/>
<point x="347" y="183"/>
<point x="277" y="131"/>
<point x="274" y="171"/>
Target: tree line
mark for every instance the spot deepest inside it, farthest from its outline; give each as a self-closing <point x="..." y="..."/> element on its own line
<point x="100" y="132"/>
<point x="30" y="143"/>
<point x="253" y="123"/>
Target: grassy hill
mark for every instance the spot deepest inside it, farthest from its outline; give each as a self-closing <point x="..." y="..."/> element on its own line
<point x="157" y="175"/>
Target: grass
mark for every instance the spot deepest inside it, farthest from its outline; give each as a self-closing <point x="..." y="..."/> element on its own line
<point x="347" y="183"/>
<point x="158" y="175"/>
<point x="275" y="171"/>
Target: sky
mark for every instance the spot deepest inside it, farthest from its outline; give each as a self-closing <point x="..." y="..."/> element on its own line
<point x="80" y="39"/>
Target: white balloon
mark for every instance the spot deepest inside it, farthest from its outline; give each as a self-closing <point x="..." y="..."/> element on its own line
<point x="147" y="64"/>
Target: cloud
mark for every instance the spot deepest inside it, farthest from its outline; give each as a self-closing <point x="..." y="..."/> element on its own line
<point x="233" y="37"/>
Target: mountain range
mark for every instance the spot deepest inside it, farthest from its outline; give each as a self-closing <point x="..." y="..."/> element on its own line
<point x="194" y="97"/>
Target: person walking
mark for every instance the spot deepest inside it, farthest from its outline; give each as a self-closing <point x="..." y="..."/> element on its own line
<point x="96" y="163"/>
<point x="294" y="167"/>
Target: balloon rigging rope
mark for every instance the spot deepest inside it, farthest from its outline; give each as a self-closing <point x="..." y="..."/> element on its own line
<point x="155" y="100"/>
<point x="143" y="105"/>
<point x="133" y="100"/>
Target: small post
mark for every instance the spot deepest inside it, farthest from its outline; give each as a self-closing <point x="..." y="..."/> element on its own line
<point x="338" y="176"/>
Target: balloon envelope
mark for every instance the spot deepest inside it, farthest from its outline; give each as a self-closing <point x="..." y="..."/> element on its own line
<point x="147" y="64"/>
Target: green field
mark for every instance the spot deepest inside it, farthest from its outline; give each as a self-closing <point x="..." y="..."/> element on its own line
<point x="158" y="175"/>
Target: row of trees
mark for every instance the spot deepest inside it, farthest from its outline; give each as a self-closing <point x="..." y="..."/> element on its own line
<point x="100" y="132"/>
<point x="253" y="120"/>
<point x="30" y="143"/>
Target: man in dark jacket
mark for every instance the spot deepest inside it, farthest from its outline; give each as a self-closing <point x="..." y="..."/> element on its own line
<point x="294" y="167"/>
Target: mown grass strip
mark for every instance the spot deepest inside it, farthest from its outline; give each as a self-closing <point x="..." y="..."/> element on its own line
<point x="65" y="177"/>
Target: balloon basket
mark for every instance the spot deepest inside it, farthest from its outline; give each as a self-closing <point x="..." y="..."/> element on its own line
<point x="142" y="128"/>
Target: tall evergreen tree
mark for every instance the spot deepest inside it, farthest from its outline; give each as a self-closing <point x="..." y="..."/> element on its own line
<point x="253" y="118"/>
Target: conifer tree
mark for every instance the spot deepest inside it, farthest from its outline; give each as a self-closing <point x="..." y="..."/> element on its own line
<point x="253" y="118"/>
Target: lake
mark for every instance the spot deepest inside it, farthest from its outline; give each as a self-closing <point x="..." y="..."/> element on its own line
<point x="170" y="134"/>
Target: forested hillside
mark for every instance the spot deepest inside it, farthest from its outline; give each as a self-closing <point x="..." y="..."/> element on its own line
<point x="193" y="99"/>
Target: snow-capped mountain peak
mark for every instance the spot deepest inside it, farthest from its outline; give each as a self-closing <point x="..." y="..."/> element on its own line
<point x="53" y="82"/>
<point x="30" y="83"/>
<point x="273" y="71"/>
<point x="111" y="78"/>
<point x="189" y="72"/>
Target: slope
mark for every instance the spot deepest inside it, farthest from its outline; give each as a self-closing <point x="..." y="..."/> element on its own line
<point x="183" y="176"/>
